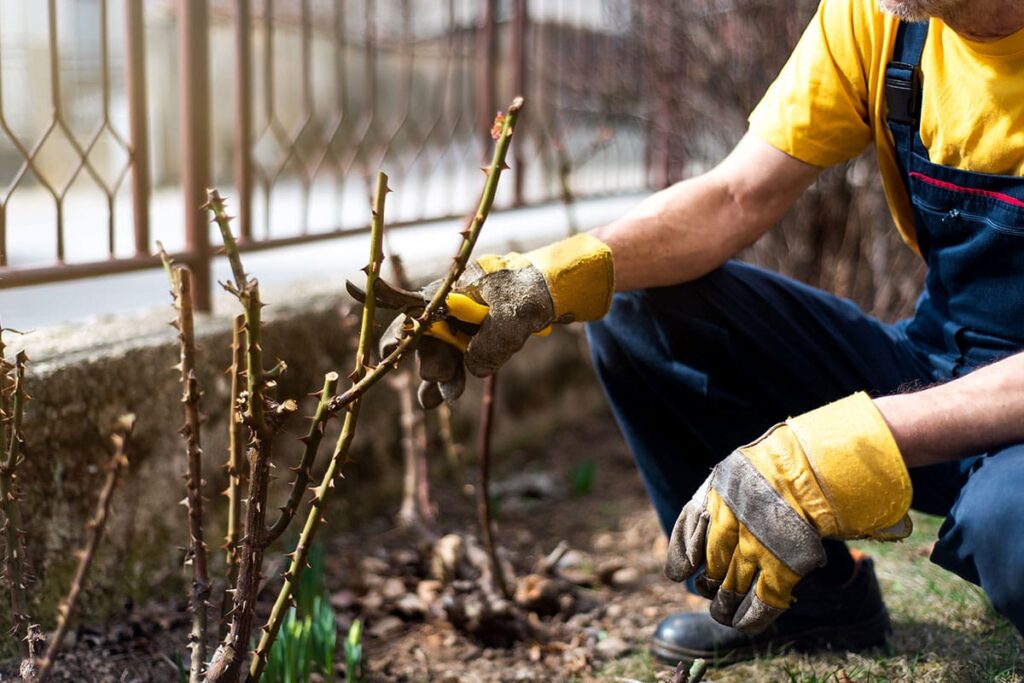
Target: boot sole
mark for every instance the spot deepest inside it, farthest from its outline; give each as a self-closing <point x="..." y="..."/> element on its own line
<point x="862" y="635"/>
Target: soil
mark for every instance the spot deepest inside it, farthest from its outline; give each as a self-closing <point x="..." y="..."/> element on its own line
<point x="602" y="601"/>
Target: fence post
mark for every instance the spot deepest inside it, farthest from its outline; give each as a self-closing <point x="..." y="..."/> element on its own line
<point x="194" y="88"/>
<point x="243" y="119"/>
<point x="520" y="17"/>
<point x="135" y="77"/>
<point x="486" y="76"/>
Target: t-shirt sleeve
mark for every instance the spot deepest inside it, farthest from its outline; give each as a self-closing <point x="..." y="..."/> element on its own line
<point x="817" y="109"/>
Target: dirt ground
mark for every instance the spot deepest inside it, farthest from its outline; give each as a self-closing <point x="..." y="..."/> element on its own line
<point x="616" y="552"/>
<point x="581" y="488"/>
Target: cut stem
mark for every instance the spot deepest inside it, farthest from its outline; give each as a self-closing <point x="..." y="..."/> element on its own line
<point x="120" y="437"/>
<point x="199" y="593"/>
<point x="470" y="234"/>
<point x="235" y="470"/>
<point x="340" y="456"/>
<point x="229" y="659"/>
<point x="311" y="446"/>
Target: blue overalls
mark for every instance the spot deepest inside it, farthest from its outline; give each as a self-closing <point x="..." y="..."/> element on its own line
<point x="696" y="369"/>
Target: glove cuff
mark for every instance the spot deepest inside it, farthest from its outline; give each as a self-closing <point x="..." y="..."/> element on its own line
<point x="858" y="466"/>
<point x="579" y="275"/>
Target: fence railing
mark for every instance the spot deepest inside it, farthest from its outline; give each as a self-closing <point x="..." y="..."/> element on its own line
<point x="291" y="106"/>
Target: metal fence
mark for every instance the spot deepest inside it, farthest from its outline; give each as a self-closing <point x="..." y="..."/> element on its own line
<point x="116" y="116"/>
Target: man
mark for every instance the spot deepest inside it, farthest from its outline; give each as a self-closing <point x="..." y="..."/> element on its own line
<point x="699" y="354"/>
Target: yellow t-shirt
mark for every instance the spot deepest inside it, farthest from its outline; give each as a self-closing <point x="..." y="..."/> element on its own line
<point x="828" y="102"/>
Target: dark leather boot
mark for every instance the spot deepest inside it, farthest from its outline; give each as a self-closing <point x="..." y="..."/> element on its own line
<point x="848" y="617"/>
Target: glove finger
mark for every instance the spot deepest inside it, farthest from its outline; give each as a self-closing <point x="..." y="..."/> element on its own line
<point x="896" y="532"/>
<point x="756" y="613"/>
<point x="429" y="395"/>
<point x="454" y="387"/>
<point x="501" y="334"/>
<point x="738" y="579"/>
<point x="686" y="546"/>
<point x="722" y="539"/>
<point x="771" y="595"/>
<point x="392" y="333"/>
<point x="438" y="361"/>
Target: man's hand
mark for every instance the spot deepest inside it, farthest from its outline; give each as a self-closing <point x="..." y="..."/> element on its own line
<point x="756" y="524"/>
<point x="498" y="303"/>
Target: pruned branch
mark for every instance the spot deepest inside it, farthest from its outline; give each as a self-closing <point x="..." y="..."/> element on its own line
<point x="340" y="456"/>
<point x="311" y="446"/>
<point x="435" y="308"/>
<point x="199" y="592"/>
<point x="363" y="377"/>
<point x="235" y="469"/>
<point x="118" y="462"/>
<point x="263" y="418"/>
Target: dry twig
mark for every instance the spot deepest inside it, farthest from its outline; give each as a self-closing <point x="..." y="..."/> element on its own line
<point x="118" y="462"/>
<point x="235" y="469"/>
<point x="483" y="495"/>
<point x="416" y="511"/>
<point x="13" y="400"/>
<point x="452" y="450"/>
<point x="199" y="592"/>
<point x="263" y="417"/>
<point x="693" y="674"/>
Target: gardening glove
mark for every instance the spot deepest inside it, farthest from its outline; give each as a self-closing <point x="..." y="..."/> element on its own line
<point x="498" y="303"/>
<point x="756" y="524"/>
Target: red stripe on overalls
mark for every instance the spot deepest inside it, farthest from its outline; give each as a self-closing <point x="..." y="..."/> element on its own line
<point x="967" y="190"/>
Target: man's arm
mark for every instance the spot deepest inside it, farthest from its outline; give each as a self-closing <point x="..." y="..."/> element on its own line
<point x="980" y="411"/>
<point x="691" y="228"/>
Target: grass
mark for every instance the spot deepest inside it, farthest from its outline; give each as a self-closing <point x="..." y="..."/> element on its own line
<point x="944" y="630"/>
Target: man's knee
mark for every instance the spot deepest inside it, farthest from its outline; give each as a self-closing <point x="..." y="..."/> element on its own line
<point x="674" y="305"/>
<point x="981" y="537"/>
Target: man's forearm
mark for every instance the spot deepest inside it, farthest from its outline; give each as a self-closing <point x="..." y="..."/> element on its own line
<point x="691" y="228"/>
<point x="977" y="412"/>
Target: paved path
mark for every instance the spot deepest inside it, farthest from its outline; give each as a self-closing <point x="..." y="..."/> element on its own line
<point x="82" y="301"/>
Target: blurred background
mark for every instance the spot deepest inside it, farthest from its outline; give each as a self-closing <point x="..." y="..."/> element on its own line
<point x="115" y="115"/>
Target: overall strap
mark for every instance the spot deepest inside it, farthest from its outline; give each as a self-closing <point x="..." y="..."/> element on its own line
<point x="903" y="75"/>
<point x="903" y="96"/>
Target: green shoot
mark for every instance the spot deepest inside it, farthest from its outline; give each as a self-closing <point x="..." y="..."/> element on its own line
<point x="581" y="478"/>
<point x="354" y="652"/>
<point x="308" y="636"/>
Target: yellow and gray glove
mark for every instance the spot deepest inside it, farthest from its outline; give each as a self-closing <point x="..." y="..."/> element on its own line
<point x="756" y="523"/>
<point x="496" y="305"/>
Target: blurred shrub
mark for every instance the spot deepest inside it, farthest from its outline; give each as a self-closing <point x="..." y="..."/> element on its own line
<point x="713" y="61"/>
<point x="699" y="67"/>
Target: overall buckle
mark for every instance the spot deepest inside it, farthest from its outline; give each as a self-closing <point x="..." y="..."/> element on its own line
<point x="903" y="93"/>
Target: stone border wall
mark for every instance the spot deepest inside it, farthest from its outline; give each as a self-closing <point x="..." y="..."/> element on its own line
<point x="83" y="377"/>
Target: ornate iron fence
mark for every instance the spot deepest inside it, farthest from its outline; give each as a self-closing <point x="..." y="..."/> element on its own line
<point x="291" y="106"/>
